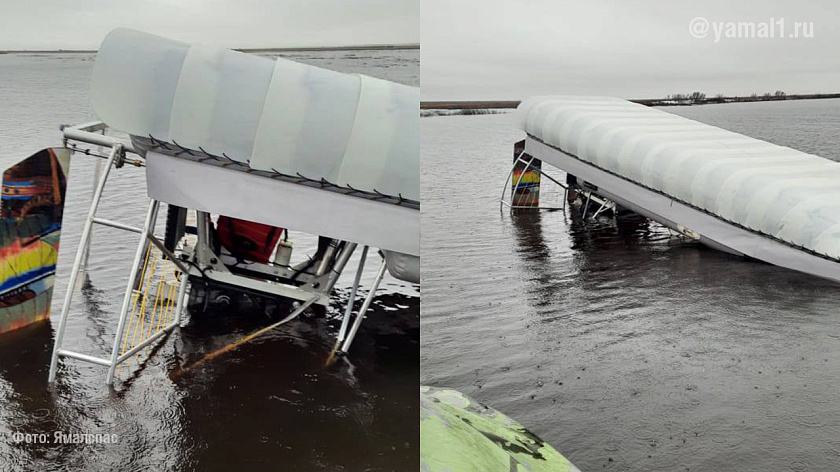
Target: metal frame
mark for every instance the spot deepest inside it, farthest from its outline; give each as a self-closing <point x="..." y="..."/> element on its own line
<point x="208" y="264"/>
<point x="117" y="153"/>
<point x="604" y="203"/>
<point x="200" y="261"/>
<point x="694" y="223"/>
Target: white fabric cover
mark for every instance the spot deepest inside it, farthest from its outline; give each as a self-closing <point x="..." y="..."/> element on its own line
<point x="275" y="115"/>
<point x="219" y="101"/>
<point x="308" y="120"/>
<point x="773" y="189"/>
<point x="134" y="81"/>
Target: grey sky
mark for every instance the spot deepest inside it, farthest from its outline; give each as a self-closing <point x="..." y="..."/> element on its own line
<point x="81" y="24"/>
<point x="510" y="49"/>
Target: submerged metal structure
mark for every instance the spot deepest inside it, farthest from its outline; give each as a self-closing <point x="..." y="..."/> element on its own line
<point x="275" y="143"/>
<point x="723" y="189"/>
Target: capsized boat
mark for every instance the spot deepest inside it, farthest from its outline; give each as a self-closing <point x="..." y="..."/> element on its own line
<point x="729" y="191"/>
<point x="460" y="434"/>
<point x="243" y="149"/>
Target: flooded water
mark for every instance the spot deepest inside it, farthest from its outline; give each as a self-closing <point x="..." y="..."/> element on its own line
<point x="622" y="347"/>
<point x="268" y="405"/>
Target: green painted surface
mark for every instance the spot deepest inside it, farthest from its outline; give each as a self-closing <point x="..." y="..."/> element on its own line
<point x="458" y="434"/>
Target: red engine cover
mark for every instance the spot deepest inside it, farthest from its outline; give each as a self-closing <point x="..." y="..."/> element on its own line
<point x="246" y="239"/>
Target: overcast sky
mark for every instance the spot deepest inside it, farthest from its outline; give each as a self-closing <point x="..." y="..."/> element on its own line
<point x="510" y="49"/>
<point x="81" y="24"/>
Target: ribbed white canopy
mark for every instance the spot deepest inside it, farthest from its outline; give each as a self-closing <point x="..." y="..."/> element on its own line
<point x="275" y="115"/>
<point x="773" y="189"/>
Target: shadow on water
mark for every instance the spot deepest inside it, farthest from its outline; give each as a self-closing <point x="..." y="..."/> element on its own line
<point x="26" y="354"/>
<point x="529" y="235"/>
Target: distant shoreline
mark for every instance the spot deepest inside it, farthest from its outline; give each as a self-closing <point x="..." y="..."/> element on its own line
<point x="362" y="47"/>
<point x="372" y="47"/>
<point x="651" y="102"/>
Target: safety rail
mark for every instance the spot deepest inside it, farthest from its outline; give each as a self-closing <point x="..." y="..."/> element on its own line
<point x="117" y="153"/>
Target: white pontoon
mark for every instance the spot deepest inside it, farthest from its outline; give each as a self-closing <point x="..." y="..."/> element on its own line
<point x="729" y="191"/>
<point x="272" y="142"/>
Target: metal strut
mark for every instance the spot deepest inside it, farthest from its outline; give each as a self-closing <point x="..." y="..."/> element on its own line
<point x="603" y="204"/>
<point x="345" y="321"/>
<point x="345" y="339"/>
<point x="147" y="236"/>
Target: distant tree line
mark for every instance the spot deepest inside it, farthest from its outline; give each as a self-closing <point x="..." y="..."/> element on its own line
<point x="694" y="98"/>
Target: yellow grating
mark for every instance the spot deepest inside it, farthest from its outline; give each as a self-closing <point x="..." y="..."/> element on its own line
<point x="152" y="306"/>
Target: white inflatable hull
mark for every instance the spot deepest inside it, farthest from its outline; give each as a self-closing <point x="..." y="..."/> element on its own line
<point x="706" y="227"/>
<point x="350" y="130"/>
<point x="778" y="192"/>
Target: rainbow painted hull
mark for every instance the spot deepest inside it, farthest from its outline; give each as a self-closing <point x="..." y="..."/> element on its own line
<point x="525" y="181"/>
<point x="31" y="211"/>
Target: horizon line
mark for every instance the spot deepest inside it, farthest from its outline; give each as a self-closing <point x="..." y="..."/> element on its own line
<point x="510" y="104"/>
<point x="358" y="47"/>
